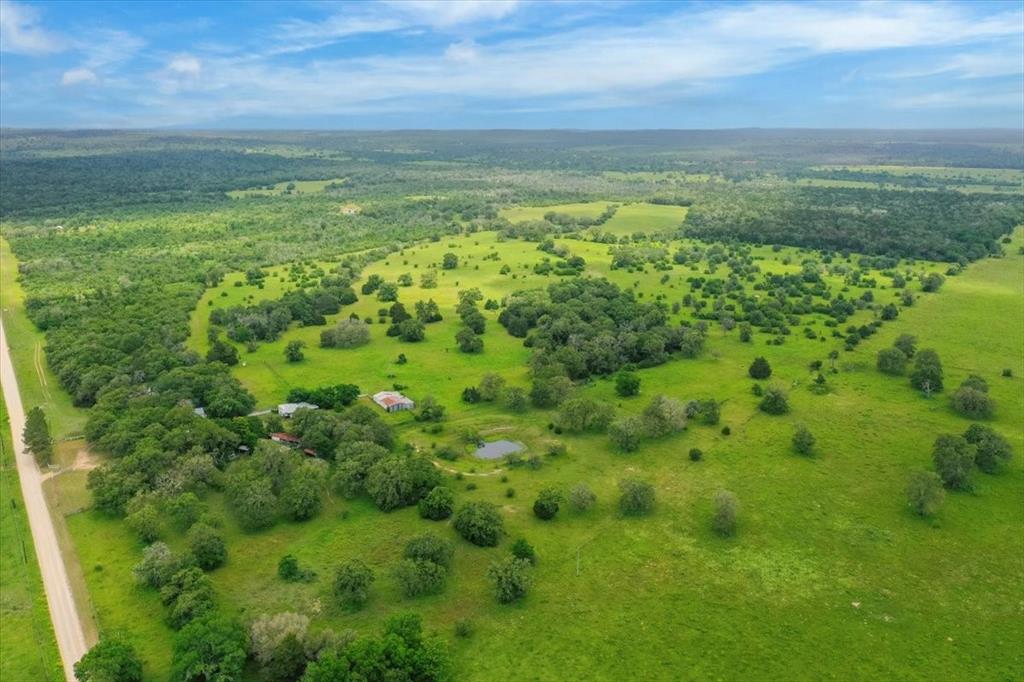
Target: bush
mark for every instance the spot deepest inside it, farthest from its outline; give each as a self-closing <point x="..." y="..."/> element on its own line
<point x="891" y="361"/>
<point x="803" y="440"/>
<point x="352" y="582"/>
<point x="430" y="547"/>
<point x="207" y="546"/>
<point x="581" y="497"/>
<point x="664" y="416"/>
<point x="993" y="450"/>
<point x="479" y="523"/>
<point x="348" y="333"/>
<point x="696" y="455"/>
<point x="759" y="369"/>
<point x="637" y="497"/>
<point x="626" y="433"/>
<point x="1008" y="373"/>
<point x="907" y="344"/>
<point x="972" y="403"/>
<point x="437" y="505"/>
<point x="511" y="579"/>
<point x="774" y="401"/>
<point x="726" y="509"/>
<point x="627" y="383"/>
<point x="925" y="493"/>
<point x="113" y="659"/>
<point x="521" y="549"/>
<point x="927" y="373"/>
<point x="726" y="431"/>
<point x="418" y="577"/>
<point x="464" y="628"/>
<point x="954" y="461"/>
<point x="547" y="504"/>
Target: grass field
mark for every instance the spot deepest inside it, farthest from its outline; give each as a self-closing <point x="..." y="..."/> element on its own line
<point x="28" y="649"/>
<point x="282" y="188"/>
<point x="827" y="557"/>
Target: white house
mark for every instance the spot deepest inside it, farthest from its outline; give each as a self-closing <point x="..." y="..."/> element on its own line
<point x="393" y="401"/>
<point x="286" y="410"/>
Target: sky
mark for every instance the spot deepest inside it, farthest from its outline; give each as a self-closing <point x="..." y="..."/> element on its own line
<point x="511" y="64"/>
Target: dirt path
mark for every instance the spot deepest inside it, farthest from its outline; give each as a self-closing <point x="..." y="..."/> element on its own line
<point x="66" y="623"/>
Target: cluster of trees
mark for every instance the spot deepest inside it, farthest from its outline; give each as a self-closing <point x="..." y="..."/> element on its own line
<point x="945" y="226"/>
<point x="663" y="416"/>
<point x="268" y="319"/>
<point x="955" y="457"/>
<point x="335" y="397"/>
<point x="972" y="400"/>
<point x="470" y="336"/>
<point x="591" y="326"/>
<point x="276" y="479"/>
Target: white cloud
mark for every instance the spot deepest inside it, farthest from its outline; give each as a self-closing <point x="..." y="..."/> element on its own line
<point x="21" y="33"/>
<point x="959" y="99"/>
<point x="462" y="51"/>
<point x="185" y="65"/>
<point x="448" y="13"/>
<point x="78" y="77"/>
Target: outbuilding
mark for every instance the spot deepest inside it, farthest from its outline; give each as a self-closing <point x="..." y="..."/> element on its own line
<point x="393" y="401"/>
<point x="287" y="410"/>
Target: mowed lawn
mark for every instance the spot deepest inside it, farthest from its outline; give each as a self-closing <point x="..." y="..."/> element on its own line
<point x="28" y="649"/>
<point x="829" y="574"/>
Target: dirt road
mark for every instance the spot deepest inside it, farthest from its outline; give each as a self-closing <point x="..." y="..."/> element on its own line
<point x="66" y="623"/>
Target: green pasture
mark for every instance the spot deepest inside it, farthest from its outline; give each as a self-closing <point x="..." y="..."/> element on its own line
<point x="282" y="188"/>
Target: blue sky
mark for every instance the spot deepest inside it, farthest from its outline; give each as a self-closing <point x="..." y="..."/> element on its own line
<point x="511" y="64"/>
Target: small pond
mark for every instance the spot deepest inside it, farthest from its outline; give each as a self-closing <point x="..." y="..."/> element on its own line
<point x="497" y="449"/>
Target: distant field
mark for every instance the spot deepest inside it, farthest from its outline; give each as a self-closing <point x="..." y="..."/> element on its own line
<point x="628" y="218"/>
<point x="666" y="177"/>
<point x="285" y="188"/>
<point x="992" y="175"/>
<point x="519" y="214"/>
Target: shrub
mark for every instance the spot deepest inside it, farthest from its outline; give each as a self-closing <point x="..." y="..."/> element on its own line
<point x="547" y="504"/>
<point x="637" y="497"/>
<point x="954" y="461"/>
<point x="907" y="344"/>
<point x="626" y="433"/>
<point x="207" y="546"/>
<point x="925" y="493"/>
<point x="759" y="369"/>
<point x="288" y="570"/>
<point x="511" y="579"/>
<point x="479" y="523"/>
<point x="352" y="581"/>
<point x="726" y="510"/>
<point x="993" y="450"/>
<point x="927" y="373"/>
<point x="437" y="505"/>
<point x="803" y="440"/>
<point x="664" y="416"/>
<point x="627" y="383"/>
<point x="581" y="497"/>
<point x="1008" y="373"/>
<point x="521" y="549"/>
<point x="972" y="403"/>
<point x="696" y="455"/>
<point x="891" y="361"/>
<point x="464" y="628"/>
<point x="757" y="390"/>
<point x="774" y="401"/>
<point x="418" y="577"/>
<point x="113" y="659"/>
<point x="726" y="431"/>
<point x="430" y="547"/>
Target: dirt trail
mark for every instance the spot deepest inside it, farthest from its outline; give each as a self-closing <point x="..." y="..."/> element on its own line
<point x="66" y="622"/>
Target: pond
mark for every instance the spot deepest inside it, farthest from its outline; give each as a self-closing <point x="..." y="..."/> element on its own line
<point x="497" y="449"/>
